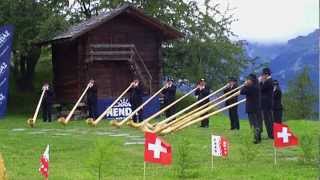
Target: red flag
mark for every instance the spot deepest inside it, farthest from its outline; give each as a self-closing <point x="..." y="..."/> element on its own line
<point x="220" y="146"/>
<point x="283" y="137"/>
<point x="44" y="163"/>
<point x="156" y="150"/>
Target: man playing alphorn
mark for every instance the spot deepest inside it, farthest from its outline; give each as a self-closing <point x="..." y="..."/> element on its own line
<point x="136" y="94"/>
<point x="169" y="96"/>
<point x="47" y="102"/>
<point x="233" y="112"/>
<point x="202" y="92"/>
<point x="92" y="99"/>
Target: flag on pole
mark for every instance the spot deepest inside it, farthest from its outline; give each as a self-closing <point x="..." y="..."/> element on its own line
<point x="283" y="137"/>
<point x="44" y="163"/>
<point x="156" y="150"/>
<point x="220" y="146"/>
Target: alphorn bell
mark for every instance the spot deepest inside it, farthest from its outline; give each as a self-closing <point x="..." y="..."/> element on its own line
<point x="65" y="121"/>
<point x="177" y="128"/>
<point x="118" y="124"/>
<point x="32" y="121"/>
<point x="93" y="122"/>
<point x="131" y="123"/>
<point x="197" y="114"/>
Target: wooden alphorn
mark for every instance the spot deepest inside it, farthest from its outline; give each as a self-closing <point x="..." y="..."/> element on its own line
<point x="65" y="121"/>
<point x="32" y="121"/>
<point x="93" y="122"/>
<point x="118" y="124"/>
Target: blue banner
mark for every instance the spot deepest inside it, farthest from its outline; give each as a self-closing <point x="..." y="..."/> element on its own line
<point x="123" y="108"/>
<point x="6" y="38"/>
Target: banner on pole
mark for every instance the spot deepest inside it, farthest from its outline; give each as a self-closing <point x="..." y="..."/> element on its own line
<point x="6" y="38"/>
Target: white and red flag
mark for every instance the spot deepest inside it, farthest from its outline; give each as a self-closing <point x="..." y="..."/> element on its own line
<point x="44" y="163"/>
<point x="220" y="146"/>
<point x="283" y="137"/>
<point x="156" y="150"/>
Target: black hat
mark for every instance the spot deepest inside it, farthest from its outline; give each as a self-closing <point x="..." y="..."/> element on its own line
<point x="232" y="79"/>
<point x="252" y="77"/>
<point x="275" y="82"/>
<point x="266" y="71"/>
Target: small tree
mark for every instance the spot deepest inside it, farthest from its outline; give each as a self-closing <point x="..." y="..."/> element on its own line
<point x="300" y="99"/>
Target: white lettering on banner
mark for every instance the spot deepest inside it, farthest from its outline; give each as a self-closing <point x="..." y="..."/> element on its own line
<point x="2" y="98"/>
<point x="3" y="37"/>
<point x="121" y="110"/>
<point x="3" y="68"/>
<point x="4" y="51"/>
<point x="3" y="82"/>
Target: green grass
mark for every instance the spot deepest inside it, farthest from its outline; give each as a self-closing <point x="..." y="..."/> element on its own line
<point x="73" y="146"/>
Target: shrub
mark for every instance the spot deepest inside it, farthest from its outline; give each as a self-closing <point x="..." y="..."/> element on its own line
<point x="185" y="101"/>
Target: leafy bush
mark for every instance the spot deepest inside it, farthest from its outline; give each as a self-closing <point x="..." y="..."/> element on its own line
<point x="185" y="101"/>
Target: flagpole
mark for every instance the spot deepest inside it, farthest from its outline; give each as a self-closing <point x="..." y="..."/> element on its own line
<point x="275" y="156"/>
<point x="144" y="170"/>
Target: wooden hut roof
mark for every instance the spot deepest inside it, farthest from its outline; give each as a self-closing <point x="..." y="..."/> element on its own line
<point x="77" y="30"/>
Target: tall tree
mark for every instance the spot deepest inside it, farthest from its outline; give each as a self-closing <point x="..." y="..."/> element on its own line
<point x="300" y="99"/>
<point x="34" y="20"/>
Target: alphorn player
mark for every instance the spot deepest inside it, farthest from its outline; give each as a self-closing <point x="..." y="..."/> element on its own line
<point x="169" y="95"/>
<point x="266" y="89"/>
<point x="251" y="91"/>
<point x="92" y="99"/>
<point x="136" y="94"/>
<point x="47" y="102"/>
<point x="233" y="112"/>
<point x="277" y="104"/>
<point x="202" y="92"/>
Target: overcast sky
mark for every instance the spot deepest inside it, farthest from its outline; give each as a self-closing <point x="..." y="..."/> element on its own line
<point x="269" y="21"/>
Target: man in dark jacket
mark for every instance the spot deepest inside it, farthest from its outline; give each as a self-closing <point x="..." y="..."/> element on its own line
<point x="136" y="94"/>
<point x="251" y="91"/>
<point x="233" y="112"/>
<point x="169" y="96"/>
<point x="92" y="99"/>
<point x="202" y="92"/>
<point x="266" y="89"/>
<point x="47" y="103"/>
<point x="277" y="104"/>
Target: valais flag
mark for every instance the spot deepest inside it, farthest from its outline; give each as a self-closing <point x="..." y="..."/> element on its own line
<point x="220" y="146"/>
<point x="283" y="137"/>
<point x="156" y="150"/>
<point x="44" y="163"/>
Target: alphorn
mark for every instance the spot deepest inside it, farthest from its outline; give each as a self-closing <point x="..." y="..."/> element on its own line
<point x="93" y="122"/>
<point x="189" y="107"/>
<point x="177" y="128"/>
<point x="66" y="120"/>
<point x="118" y="124"/>
<point x="32" y="121"/>
<point x="136" y="125"/>
<point x="196" y="114"/>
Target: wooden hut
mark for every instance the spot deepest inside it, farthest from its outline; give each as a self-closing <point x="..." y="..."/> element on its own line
<point x="112" y="48"/>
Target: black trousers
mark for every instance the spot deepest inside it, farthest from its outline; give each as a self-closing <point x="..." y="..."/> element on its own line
<point x="92" y="107"/>
<point x="277" y="115"/>
<point x="138" y="116"/>
<point x="268" y="122"/>
<point x="234" y="118"/>
<point x="205" y="122"/>
<point x="46" y="112"/>
<point x="254" y="121"/>
<point x="171" y="111"/>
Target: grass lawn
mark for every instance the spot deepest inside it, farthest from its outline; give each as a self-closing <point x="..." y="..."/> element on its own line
<point x="73" y="148"/>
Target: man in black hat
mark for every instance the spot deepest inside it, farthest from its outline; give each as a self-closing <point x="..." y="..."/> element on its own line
<point x="266" y="89"/>
<point x="47" y="102"/>
<point x="202" y="92"/>
<point x="233" y="112"/>
<point x="169" y="95"/>
<point x="251" y="91"/>
<point x="277" y="104"/>
<point x="92" y="99"/>
<point x="136" y="95"/>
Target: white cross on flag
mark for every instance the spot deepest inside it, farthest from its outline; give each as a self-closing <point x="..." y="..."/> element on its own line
<point x="44" y="163"/>
<point x="156" y="150"/>
<point x="283" y="137"/>
<point x="220" y="146"/>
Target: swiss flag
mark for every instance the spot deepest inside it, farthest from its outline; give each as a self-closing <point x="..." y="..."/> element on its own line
<point x="156" y="150"/>
<point x="44" y="163"/>
<point x="283" y="137"/>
